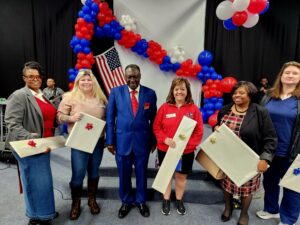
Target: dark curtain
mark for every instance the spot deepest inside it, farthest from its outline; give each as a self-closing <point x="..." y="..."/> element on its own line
<point x="38" y="30"/>
<point x="251" y="53"/>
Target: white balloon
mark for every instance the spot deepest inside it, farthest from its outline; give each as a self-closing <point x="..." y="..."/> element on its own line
<point x="225" y="10"/>
<point x="83" y="2"/>
<point x="251" y="21"/>
<point x="181" y="59"/>
<point x="173" y="60"/>
<point x="240" y="5"/>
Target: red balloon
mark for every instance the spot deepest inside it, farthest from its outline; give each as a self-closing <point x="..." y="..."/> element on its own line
<point x="209" y="82"/>
<point x="207" y="94"/>
<point x="239" y="18"/>
<point x="227" y="84"/>
<point x="205" y="88"/>
<point x="257" y="6"/>
<point x="212" y="120"/>
<point x="71" y="85"/>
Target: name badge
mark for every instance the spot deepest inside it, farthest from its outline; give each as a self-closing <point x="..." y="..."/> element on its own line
<point x="171" y="115"/>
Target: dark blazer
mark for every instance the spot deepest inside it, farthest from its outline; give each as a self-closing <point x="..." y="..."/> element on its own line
<point x="256" y="131"/>
<point x="123" y="129"/>
<point x="295" y="141"/>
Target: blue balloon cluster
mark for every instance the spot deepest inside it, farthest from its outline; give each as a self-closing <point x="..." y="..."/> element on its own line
<point x="112" y="30"/>
<point x="168" y="66"/>
<point x="210" y="106"/>
<point x="89" y="11"/>
<point x="80" y="45"/>
<point x="141" y="47"/>
<point x="72" y="74"/>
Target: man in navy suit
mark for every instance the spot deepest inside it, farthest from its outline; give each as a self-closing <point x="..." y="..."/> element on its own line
<point x="129" y="136"/>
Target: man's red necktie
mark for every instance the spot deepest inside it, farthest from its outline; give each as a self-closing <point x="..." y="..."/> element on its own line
<point x="134" y="102"/>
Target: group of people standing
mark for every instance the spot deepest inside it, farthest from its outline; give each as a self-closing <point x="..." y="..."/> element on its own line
<point x="135" y="129"/>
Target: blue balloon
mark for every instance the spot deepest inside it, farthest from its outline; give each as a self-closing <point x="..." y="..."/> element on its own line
<point x="206" y="76"/>
<point x="211" y="69"/>
<point x="84" y="42"/>
<point x="81" y="14"/>
<point x="86" y="9"/>
<point x="214" y="76"/>
<point x="220" y="77"/>
<point x="117" y="36"/>
<point x="228" y="25"/>
<point x="221" y="100"/>
<point x="209" y="113"/>
<point x="87" y="18"/>
<point x="88" y="2"/>
<point x="206" y="100"/>
<point x="176" y="66"/>
<point x="86" y="50"/>
<point x="208" y="106"/>
<point x="167" y="59"/>
<point x="95" y="7"/>
<point x="205" y="58"/>
<point x="204" y="69"/>
<point x="218" y="106"/>
<point x="213" y="99"/>
<point x="265" y="9"/>
<point x="77" y="48"/>
<point x="72" y="78"/>
<point x="200" y="76"/>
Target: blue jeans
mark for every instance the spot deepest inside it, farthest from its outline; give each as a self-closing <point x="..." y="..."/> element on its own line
<point x="83" y="162"/>
<point x="290" y="204"/>
<point x="37" y="185"/>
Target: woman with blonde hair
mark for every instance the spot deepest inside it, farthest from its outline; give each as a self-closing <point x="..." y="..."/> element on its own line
<point x="283" y="104"/>
<point x="86" y="96"/>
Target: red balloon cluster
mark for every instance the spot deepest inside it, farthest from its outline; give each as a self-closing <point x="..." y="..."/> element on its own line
<point x="84" y="29"/>
<point x="129" y="38"/>
<point x="188" y="69"/>
<point x="105" y="14"/>
<point x="155" y="52"/>
<point x="84" y="60"/>
<point x="227" y="84"/>
<point x="212" y="88"/>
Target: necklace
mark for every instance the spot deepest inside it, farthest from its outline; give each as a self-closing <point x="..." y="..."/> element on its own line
<point x="238" y="110"/>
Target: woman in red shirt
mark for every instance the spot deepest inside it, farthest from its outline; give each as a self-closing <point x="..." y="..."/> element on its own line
<point x="179" y="103"/>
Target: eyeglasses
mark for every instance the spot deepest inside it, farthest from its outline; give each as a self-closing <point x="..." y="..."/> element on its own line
<point x="33" y="77"/>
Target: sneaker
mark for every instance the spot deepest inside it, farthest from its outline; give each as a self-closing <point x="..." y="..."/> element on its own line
<point x="180" y="207"/>
<point x="266" y="215"/>
<point x="165" y="209"/>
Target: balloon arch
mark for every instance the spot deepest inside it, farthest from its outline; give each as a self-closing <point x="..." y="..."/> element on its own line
<point x="97" y="19"/>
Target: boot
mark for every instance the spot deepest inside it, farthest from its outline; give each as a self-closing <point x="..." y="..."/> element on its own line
<point x="92" y="190"/>
<point x="76" y="200"/>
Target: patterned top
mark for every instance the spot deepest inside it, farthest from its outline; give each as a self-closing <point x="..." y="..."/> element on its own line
<point x="233" y="121"/>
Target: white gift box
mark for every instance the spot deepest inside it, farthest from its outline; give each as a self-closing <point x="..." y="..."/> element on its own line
<point x="38" y="145"/>
<point x="235" y="158"/>
<point x="86" y="133"/>
<point x="291" y="180"/>
<point x="173" y="155"/>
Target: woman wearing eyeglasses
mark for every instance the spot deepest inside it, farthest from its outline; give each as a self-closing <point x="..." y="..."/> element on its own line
<point x="29" y="115"/>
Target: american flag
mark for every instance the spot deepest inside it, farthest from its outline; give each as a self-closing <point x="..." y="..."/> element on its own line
<point x="110" y="69"/>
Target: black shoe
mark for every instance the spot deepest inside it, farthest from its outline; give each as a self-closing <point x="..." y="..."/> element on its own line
<point x="165" y="209"/>
<point x="144" y="210"/>
<point x="56" y="215"/>
<point x="39" y="222"/>
<point x="180" y="207"/>
<point x="124" y="210"/>
<point x="226" y="218"/>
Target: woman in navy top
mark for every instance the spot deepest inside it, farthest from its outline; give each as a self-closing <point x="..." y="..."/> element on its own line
<point x="283" y="104"/>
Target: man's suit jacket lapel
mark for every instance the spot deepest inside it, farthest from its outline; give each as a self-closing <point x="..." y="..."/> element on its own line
<point x="127" y="99"/>
<point x="141" y="100"/>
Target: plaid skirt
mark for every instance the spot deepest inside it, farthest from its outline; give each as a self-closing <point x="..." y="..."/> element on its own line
<point x="245" y="190"/>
